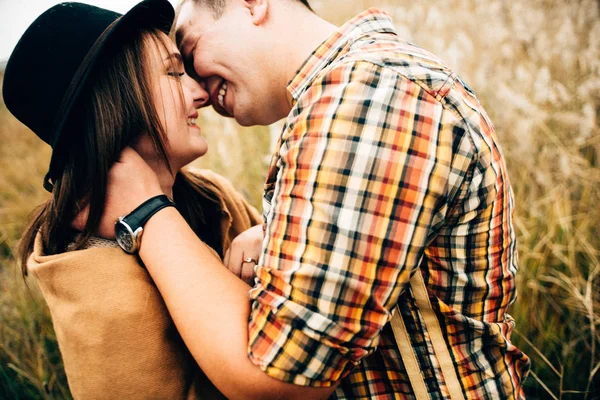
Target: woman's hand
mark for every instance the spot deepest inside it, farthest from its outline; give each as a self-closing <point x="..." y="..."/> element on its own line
<point x="244" y="252"/>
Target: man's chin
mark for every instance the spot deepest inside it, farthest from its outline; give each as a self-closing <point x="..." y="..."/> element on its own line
<point x="245" y="119"/>
<point x="240" y="119"/>
<point x="222" y="112"/>
<point x="256" y="120"/>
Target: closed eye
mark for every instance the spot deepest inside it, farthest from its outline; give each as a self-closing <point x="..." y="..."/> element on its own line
<point x="189" y="64"/>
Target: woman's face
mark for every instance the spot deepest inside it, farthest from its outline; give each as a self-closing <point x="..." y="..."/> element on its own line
<point x="176" y="98"/>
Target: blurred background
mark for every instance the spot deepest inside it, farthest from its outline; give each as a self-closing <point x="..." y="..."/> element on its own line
<point x="535" y="66"/>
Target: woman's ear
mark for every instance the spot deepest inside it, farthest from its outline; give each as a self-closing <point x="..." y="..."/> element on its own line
<point x="259" y="10"/>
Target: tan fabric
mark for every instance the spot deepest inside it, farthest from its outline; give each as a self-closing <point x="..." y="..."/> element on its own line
<point x="239" y="215"/>
<point x="409" y="358"/>
<point x="114" y="332"/>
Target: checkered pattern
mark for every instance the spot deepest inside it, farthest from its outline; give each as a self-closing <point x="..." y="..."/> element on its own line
<point x="387" y="163"/>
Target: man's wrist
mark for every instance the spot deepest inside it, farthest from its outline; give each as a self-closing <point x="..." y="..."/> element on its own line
<point x="129" y="228"/>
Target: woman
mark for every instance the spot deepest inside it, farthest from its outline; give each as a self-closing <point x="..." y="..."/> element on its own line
<point x="90" y="82"/>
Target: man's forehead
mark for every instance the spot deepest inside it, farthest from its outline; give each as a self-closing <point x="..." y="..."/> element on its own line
<point x="184" y="22"/>
<point x="181" y="30"/>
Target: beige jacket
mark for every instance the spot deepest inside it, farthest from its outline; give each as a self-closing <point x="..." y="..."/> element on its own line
<point x="115" y="335"/>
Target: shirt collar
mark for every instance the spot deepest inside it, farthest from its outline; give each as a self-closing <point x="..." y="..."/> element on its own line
<point x="369" y="21"/>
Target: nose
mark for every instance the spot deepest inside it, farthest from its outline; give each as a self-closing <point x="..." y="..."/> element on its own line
<point x="200" y="95"/>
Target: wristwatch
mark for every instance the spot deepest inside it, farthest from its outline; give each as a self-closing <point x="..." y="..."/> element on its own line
<point x="128" y="229"/>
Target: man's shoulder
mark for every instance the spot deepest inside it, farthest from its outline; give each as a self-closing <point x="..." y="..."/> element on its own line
<point x="404" y="59"/>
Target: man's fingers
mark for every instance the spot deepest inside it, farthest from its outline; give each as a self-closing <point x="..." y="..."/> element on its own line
<point x="81" y="219"/>
<point x="128" y="154"/>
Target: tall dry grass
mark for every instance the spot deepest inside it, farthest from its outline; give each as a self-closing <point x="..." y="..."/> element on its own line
<point x="535" y="65"/>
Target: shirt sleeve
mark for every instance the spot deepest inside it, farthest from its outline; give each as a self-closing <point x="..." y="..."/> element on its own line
<point x="359" y="183"/>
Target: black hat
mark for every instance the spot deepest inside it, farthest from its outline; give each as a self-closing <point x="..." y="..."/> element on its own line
<point x="48" y="69"/>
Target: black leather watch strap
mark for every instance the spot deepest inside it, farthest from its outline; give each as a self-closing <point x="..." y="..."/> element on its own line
<point x="144" y="211"/>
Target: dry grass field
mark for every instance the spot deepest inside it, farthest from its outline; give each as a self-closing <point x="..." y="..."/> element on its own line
<point x="535" y="65"/>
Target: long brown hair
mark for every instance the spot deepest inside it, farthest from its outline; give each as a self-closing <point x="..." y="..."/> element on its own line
<point x="118" y="107"/>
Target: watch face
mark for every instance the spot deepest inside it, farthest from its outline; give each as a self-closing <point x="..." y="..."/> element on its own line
<point x="124" y="236"/>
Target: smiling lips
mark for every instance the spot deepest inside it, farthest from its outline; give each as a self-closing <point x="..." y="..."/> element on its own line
<point x="221" y="95"/>
<point x="192" y="118"/>
<point x="217" y="97"/>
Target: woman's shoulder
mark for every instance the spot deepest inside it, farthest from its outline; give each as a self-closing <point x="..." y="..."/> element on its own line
<point x="96" y="267"/>
<point x="239" y="214"/>
<point x="209" y="179"/>
<point x="93" y="249"/>
<point x="113" y="328"/>
<point x="220" y="189"/>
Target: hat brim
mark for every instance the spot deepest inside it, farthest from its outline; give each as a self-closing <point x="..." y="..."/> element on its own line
<point x="157" y="14"/>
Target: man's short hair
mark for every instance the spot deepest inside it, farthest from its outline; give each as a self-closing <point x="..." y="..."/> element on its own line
<point x="218" y="6"/>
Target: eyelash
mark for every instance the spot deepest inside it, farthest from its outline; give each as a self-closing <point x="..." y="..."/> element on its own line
<point x="176" y="74"/>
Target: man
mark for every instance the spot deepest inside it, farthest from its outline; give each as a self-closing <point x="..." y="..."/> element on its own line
<point x="387" y="166"/>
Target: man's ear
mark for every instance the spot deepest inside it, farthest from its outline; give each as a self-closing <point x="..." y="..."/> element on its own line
<point x="259" y="10"/>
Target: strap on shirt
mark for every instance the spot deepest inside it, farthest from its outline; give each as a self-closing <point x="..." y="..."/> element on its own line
<point x="407" y="352"/>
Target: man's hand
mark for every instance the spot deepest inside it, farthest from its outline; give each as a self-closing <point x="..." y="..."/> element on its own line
<point x="130" y="182"/>
<point x="247" y="245"/>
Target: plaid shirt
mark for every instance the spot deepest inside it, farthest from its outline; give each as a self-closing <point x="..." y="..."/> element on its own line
<point x="387" y="163"/>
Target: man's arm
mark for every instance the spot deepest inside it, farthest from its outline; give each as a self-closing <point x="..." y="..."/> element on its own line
<point x="208" y="304"/>
<point x="362" y="171"/>
<point x="210" y="308"/>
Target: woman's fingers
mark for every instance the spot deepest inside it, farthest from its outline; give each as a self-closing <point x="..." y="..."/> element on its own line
<point x="247" y="273"/>
<point x="244" y="252"/>
<point x="235" y="254"/>
<point x="226" y="258"/>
